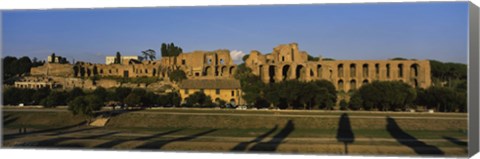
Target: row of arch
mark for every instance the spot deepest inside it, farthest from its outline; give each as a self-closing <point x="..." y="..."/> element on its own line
<point x="218" y="70"/>
<point x="353" y="84"/>
<point x="81" y="71"/>
<point x="414" y="69"/>
<point x="301" y="71"/>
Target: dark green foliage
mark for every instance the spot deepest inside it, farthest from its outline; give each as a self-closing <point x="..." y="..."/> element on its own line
<point x="328" y="59"/>
<point x="386" y="95"/>
<point x="399" y="59"/>
<point x="355" y="102"/>
<point x="198" y="99"/>
<point x="122" y="93"/>
<point x="139" y="91"/>
<point x="168" y="50"/>
<point x="55" y="98"/>
<point x="177" y="75"/>
<point x="442" y="99"/>
<point x="448" y="72"/>
<point x="261" y="103"/>
<point x="101" y="93"/>
<point x="343" y="104"/>
<point x="40" y="94"/>
<point x="311" y="58"/>
<point x="251" y="84"/>
<point x="74" y="93"/>
<point x="12" y="96"/>
<point x="298" y="95"/>
<point x="220" y="102"/>
<point x="118" y="58"/>
<point x="244" y="58"/>
<point x="173" y="99"/>
<point x="15" y="67"/>
<point x="85" y="106"/>
<point x="150" y="53"/>
<point x="133" y="100"/>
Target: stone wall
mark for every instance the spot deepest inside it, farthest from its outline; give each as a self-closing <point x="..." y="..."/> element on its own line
<point x="53" y="69"/>
<point x="286" y="63"/>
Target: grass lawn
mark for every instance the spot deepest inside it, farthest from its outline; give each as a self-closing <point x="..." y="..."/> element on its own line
<point x="223" y="130"/>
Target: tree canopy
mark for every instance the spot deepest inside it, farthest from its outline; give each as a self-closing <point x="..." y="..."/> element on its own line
<point x="386" y="95"/>
<point x="177" y="75"/>
<point x="149" y="54"/>
<point x="168" y="50"/>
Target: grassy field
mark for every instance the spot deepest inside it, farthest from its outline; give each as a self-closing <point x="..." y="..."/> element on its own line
<point x="246" y="130"/>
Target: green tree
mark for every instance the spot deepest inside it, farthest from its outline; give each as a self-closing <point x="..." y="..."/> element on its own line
<point x="74" y="93"/>
<point x="85" y="106"/>
<point x="133" y="100"/>
<point x="118" y="58"/>
<point x="101" y="93"/>
<point x="252" y="86"/>
<point x="11" y="96"/>
<point x="387" y="95"/>
<point x="311" y="58"/>
<point x="150" y="53"/>
<point x="244" y="58"/>
<point x="355" y="102"/>
<point x="399" y="59"/>
<point x="24" y="65"/>
<point x="122" y="93"/>
<point x="198" y="99"/>
<point x="261" y="103"/>
<point x="443" y="99"/>
<point x="55" y="98"/>
<point x="177" y="75"/>
<point x="170" y="50"/>
<point x="53" y="58"/>
<point x="343" y="104"/>
<point x="40" y="94"/>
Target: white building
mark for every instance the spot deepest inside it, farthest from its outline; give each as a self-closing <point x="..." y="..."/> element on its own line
<point x="111" y="59"/>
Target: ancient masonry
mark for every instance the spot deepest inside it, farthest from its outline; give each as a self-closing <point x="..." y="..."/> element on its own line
<point x="284" y="63"/>
<point x="287" y="62"/>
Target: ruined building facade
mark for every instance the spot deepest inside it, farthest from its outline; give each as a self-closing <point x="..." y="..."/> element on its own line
<point x="287" y="62"/>
<point x="196" y="65"/>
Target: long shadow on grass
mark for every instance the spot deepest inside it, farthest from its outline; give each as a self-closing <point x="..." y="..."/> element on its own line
<point x="408" y="140"/>
<point x="243" y="145"/>
<point x="8" y="119"/>
<point x="457" y="142"/>
<point x="159" y="144"/>
<point x="14" y="136"/>
<point x="54" y="142"/>
<point x="344" y="131"/>
<point x="71" y="131"/>
<point x="113" y="143"/>
<point x="273" y="144"/>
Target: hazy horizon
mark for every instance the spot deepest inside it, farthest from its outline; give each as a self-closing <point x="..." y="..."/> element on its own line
<point x="433" y="30"/>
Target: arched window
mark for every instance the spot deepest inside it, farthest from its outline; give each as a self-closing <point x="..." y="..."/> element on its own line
<point x="340" y="85"/>
<point x="340" y="70"/>
<point x="400" y="70"/>
<point x="353" y="70"/>
<point x="353" y="85"/>
<point x="365" y="70"/>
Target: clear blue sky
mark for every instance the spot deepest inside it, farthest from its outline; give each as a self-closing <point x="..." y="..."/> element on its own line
<point x="341" y="31"/>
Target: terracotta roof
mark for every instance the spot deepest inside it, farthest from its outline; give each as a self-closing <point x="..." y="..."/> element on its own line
<point x="210" y="84"/>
